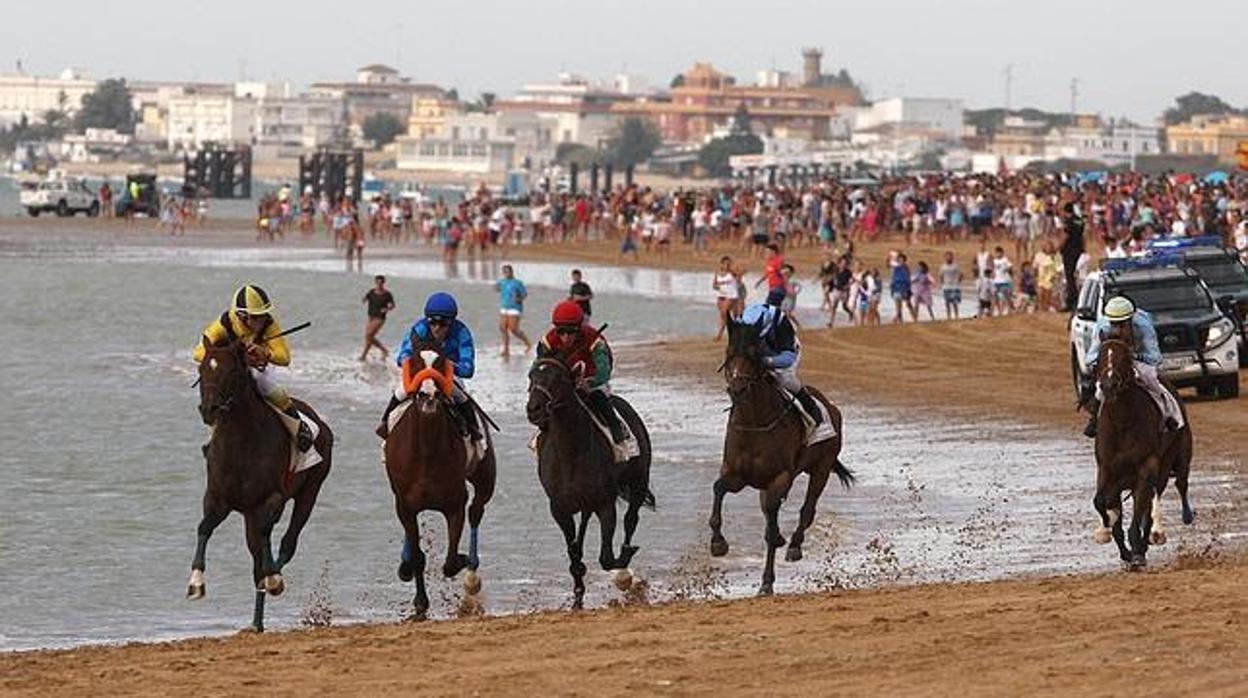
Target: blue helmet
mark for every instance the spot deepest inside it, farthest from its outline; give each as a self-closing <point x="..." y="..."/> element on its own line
<point x="441" y="305"/>
<point x="757" y="312"/>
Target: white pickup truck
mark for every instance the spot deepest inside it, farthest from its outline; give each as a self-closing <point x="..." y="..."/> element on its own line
<point x="63" y="196"/>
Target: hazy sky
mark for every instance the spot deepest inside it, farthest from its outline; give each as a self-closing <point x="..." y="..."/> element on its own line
<point x="1131" y="57"/>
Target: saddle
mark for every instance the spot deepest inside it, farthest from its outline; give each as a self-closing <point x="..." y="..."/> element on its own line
<point x="814" y="433"/>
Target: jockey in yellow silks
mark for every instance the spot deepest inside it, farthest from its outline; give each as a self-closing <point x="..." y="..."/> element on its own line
<point x="250" y="320"/>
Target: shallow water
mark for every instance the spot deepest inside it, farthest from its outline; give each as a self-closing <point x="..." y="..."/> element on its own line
<point x="102" y="476"/>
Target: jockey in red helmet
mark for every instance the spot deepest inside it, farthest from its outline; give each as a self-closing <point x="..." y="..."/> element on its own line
<point x="584" y="351"/>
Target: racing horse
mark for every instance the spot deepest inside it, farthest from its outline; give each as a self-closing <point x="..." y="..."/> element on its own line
<point x="249" y="470"/>
<point x="1133" y="454"/>
<point x="429" y="467"/>
<point x="765" y="448"/>
<point x="578" y="471"/>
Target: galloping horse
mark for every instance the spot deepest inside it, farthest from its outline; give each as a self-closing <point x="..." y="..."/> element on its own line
<point x="765" y="448"/>
<point x="428" y="464"/>
<point x="576" y="464"/>
<point x="248" y="470"/>
<point x="1134" y="454"/>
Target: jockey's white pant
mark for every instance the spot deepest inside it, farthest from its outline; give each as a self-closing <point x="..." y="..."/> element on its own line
<point x="270" y="389"/>
<point x="1166" y="402"/>
<point x="787" y="377"/>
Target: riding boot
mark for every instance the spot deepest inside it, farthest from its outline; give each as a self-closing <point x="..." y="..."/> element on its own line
<point x="303" y="439"/>
<point x="809" y="406"/>
<point x="1172" y="424"/>
<point x="383" y="429"/>
<point x="1094" y="413"/>
<point x="601" y="403"/>
<point x="468" y="419"/>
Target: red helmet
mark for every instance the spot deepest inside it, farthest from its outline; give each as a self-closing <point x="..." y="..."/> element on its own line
<point x="568" y="313"/>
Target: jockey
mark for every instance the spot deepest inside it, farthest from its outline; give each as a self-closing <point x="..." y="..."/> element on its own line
<point x="584" y="351"/>
<point x="251" y="321"/>
<point x="782" y="353"/>
<point x="441" y="326"/>
<point x="1123" y="321"/>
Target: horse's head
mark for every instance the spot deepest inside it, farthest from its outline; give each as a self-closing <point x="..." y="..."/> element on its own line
<point x="1115" y="369"/>
<point x="551" y="386"/>
<point x="427" y="376"/>
<point x="222" y="378"/>
<point x="743" y="362"/>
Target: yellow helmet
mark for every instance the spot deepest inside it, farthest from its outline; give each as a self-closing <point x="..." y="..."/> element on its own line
<point x="252" y="300"/>
<point x="1119" y="309"/>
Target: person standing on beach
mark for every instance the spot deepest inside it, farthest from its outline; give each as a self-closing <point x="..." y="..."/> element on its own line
<point x="772" y="273"/>
<point x="581" y="293"/>
<point x="899" y="287"/>
<point x="379" y="303"/>
<point x="1071" y="246"/>
<point x="511" y="294"/>
<point x="951" y="286"/>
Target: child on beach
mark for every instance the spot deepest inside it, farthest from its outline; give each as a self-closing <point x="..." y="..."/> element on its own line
<point x="725" y="285"/>
<point x="922" y="284"/>
<point x="985" y="291"/>
<point x="1027" y="284"/>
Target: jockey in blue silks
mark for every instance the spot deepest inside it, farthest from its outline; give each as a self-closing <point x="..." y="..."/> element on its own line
<point x="782" y="352"/>
<point x="442" y="327"/>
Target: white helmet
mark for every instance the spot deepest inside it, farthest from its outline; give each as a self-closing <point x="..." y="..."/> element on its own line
<point x="1119" y="309"/>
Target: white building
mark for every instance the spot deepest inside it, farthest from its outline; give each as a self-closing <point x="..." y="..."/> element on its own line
<point x="195" y="120"/>
<point x="32" y="96"/>
<point x="581" y="111"/>
<point x="941" y="117"/>
<point x="286" y="127"/>
<point x="93" y="145"/>
<point x="478" y="143"/>
<point x="1115" y="143"/>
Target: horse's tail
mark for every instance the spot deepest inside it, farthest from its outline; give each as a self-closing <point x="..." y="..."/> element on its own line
<point x="845" y="475"/>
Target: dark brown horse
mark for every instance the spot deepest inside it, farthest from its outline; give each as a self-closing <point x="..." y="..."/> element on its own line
<point x="428" y="466"/>
<point x="765" y="448"/>
<point x="248" y="470"/>
<point x="1133" y="454"/>
<point x="576" y="464"/>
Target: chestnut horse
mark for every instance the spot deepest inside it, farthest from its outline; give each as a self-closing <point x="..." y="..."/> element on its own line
<point x="1134" y="454"/>
<point x="248" y="470"/>
<point x="765" y="448"/>
<point x="428" y="466"/>
<point x="577" y="468"/>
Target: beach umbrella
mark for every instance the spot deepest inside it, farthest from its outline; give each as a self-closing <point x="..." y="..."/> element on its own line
<point x="1216" y="177"/>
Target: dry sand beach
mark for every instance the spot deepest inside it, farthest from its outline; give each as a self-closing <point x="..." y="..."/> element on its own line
<point x="1176" y="629"/>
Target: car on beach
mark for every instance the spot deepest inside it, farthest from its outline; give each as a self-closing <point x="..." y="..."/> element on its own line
<point x="63" y="196"/>
<point x="1224" y="274"/>
<point x="1196" y="335"/>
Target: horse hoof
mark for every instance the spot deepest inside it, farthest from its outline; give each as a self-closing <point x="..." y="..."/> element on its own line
<point x="623" y="579"/>
<point x="1137" y="563"/>
<point x="1189" y="516"/>
<point x="1102" y="535"/>
<point x="274" y="584"/>
<point x="793" y="555"/>
<point x="405" y="571"/>
<point x="472" y="583"/>
<point x="454" y="566"/>
<point x="1157" y="538"/>
<point x="719" y="547"/>
<point x="765" y="590"/>
<point x="195" y="592"/>
<point x="252" y="629"/>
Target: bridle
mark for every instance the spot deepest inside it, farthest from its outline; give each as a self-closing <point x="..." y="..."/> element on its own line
<point x="225" y="392"/>
<point x="553" y="403"/>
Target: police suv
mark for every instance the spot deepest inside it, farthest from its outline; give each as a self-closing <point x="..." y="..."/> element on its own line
<point x="1197" y="338"/>
<point x="1222" y="272"/>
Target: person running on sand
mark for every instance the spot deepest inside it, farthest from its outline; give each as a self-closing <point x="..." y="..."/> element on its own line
<point x="724" y="283"/>
<point x="511" y="294"/>
<point x="380" y="302"/>
<point x="581" y="293"/>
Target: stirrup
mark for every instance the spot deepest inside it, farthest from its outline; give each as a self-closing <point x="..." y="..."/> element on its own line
<point x="303" y="440"/>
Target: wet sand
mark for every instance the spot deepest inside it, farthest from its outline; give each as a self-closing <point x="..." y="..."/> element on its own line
<point x="1176" y="629"/>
